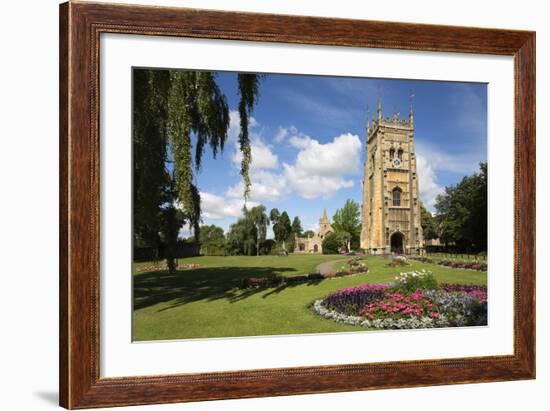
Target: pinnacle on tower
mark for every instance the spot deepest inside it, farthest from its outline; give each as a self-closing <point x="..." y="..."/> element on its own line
<point x="368" y="121"/>
<point x="324" y="214"/>
<point x="379" y="110"/>
<point x="411" y="111"/>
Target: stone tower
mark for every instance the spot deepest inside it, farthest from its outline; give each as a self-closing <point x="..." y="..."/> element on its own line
<point x="390" y="217"/>
<point x="324" y="225"/>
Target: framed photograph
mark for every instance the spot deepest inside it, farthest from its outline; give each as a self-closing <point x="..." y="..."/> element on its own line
<point x="259" y="205"/>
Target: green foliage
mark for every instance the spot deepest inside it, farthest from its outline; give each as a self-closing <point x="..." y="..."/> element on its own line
<point x="274" y="215"/>
<point x="429" y="228"/>
<point x="297" y="226"/>
<point x="171" y="109"/>
<point x="241" y="238"/>
<point x="196" y="107"/>
<point x="347" y="221"/>
<point x="282" y="229"/>
<point x="260" y="220"/>
<point x="149" y="146"/>
<point x="332" y="243"/>
<point x="308" y="233"/>
<point x="462" y="211"/>
<point x="212" y="240"/>
<point x="248" y="91"/>
<point x="248" y="235"/>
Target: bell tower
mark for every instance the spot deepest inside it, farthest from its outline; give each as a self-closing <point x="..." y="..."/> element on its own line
<point x="390" y="215"/>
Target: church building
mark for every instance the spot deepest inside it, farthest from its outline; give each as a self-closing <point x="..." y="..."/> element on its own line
<point x="314" y="244"/>
<point x="390" y="215"/>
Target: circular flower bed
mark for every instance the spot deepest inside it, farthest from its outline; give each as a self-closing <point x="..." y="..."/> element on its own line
<point x="413" y="301"/>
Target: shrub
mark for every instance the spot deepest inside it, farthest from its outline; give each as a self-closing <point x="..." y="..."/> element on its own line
<point x="296" y="279"/>
<point x="356" y="265"/>
<point x="331" y="244"/>
<point x="278" y="251"/>
<point x="415" y="280"/>
<point x="261" y="282"/>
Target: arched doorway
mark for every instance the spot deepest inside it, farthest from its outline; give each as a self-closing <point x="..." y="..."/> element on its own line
<point x="397" y="241"/>
<point x="315" y="248"/>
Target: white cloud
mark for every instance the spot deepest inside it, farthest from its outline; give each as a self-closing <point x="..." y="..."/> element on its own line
<point x="461" y="163"/>
<point x="340" y="157"/>
<point x="427" y="182"/>
<point x="265" y="186"/>
<point x="321" y="169"/>
<point x="281" y="134"/>
<point x="262" y="155"/>
<point x="217" y="207"/>
<point x="235" y="125"/>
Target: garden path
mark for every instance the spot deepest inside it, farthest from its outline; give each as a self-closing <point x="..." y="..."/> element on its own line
<point x="327" y="267"/>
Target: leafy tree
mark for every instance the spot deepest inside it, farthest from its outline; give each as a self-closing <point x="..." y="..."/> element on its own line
<point x="429" y="227"/>
<point x="308" y="233"/>
<point x="267" y="246"/>
<point x="282" y="228"/>
<point x="149" y="140"/>
<point x="297" y="226"/>
<point x="333" y="242"/>
<point x="274" y="215"/>
<point x="462" y="211"/>
<point x="260" y="220"/>
<point x="212" y="240"/>
<point x="241" y="238"/>
<point x="347" y="220"/>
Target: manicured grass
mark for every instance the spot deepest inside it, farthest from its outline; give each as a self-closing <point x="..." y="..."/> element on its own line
<point x="205" y="302"/>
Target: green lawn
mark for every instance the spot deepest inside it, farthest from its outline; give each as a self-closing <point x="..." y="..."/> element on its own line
<point x="205" y="302"/>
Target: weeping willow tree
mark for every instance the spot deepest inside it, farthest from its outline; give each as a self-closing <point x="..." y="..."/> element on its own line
<point x="182" y="112"/>
<point x="149" y="155"/>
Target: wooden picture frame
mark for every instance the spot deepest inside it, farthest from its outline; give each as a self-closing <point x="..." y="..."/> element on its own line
<point x="80" y="27"/>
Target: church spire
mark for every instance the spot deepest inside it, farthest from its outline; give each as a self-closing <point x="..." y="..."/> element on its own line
<point x="324" y="217"/>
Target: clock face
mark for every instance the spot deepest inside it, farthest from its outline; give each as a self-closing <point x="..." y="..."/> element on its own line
<point x="396" y="163"/>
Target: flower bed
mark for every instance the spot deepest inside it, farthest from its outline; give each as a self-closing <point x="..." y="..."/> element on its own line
<point x="350" y="300"/>
<point x="396" y="306"/>
<point x="469" y="265"/>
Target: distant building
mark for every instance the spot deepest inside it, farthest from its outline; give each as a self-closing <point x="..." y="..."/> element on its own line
<point x="314" y="244"/>
<point x="391" y="204"/>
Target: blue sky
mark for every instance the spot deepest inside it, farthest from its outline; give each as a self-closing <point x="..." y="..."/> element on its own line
<point x="308" y="142"/>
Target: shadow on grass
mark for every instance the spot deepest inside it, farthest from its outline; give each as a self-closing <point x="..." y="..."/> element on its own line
<point x="208" y="283"/>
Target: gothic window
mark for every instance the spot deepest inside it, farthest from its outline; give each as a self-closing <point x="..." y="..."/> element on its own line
<point x="396" y="195"/>
<point x="392" y="153"/>
<point x="400" y="154"/>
